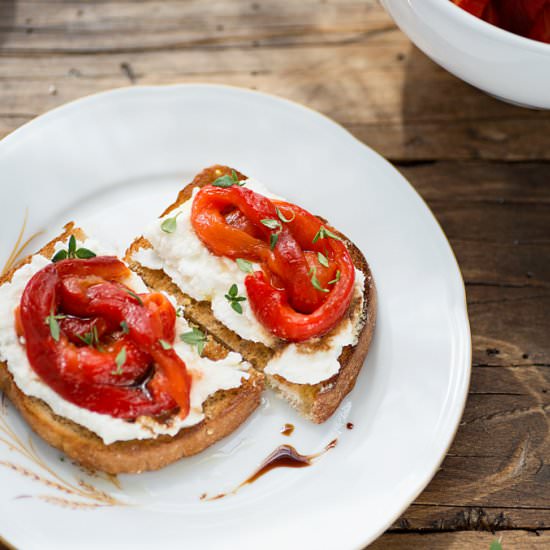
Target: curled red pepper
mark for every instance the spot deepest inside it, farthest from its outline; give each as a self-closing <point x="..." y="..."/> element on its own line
<point x="98" y="344"/>
<point x="286" y="241"/>
<point x="530" y="18"/>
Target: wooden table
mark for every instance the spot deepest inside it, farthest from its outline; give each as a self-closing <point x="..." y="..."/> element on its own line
<point x="482" y="166"/>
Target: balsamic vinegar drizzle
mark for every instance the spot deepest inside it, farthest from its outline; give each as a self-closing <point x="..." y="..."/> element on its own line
<point x="287" y="429"/>
<point x="284" y="456"/>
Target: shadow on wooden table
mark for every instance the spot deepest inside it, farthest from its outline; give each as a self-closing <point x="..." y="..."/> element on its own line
<point x="7" y="16"/>
<point x="485" y="176"/>
<point x="445" y="118"/>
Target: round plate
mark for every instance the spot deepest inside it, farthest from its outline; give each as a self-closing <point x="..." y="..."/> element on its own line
<point x="112" y="162"/>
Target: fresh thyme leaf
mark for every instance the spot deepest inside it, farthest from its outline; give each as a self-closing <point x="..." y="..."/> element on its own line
<point x="273" y="240"/>
<point x="54" y="328"/>
<point x="237" y="307"/>
<point x="169" y="225"/>
<point x="134" y="295"/>
<point x="271" y="223"/>
<point x="224" y="181"/>
<point x="165" y="345"/>
<point x="323" y="233"/>
<point x="59" y="255"/>
<point x="200" y="347"/>
<point x="87" y="338"/>
<point x="51" y="321"/>
<point x="233" y="298"/>
<point x="195" y="338"/>
<point x="179" y="312"/>
<point x="124" y="327"/>
<point x="73" y="252"/>
<point x="120" y="359"/>
<point x="336" y="278"/>
<point x="282" y="218"/>
<point x="72" y="247"/>
<point x="323" y="260"/>
<point x="315" y="282"/>
<point x="85" y="254"/>
<point x="244" y="265"/>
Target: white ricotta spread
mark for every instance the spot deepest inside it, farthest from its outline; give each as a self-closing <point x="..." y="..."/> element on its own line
<point x="205" y="276"/>
<point x="303" y="364"/>
<point x="199" y="273"/>
<point x="208" y="376"/>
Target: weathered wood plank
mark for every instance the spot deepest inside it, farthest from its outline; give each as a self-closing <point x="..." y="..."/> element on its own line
<point x="347" y="59"/>
<point x="443" y="517"/>
<point x="99" y="26"/>
<point x="353" y="65"/>
<point x="511" y="540"/>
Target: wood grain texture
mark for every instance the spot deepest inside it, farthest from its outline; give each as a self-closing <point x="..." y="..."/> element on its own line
<point x="482" y="166"/>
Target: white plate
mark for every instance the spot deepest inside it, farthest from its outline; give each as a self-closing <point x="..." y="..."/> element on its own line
<point x="112" y="162"/>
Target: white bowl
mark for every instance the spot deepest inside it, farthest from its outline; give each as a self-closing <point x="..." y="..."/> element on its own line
<point x="503" y="64"/>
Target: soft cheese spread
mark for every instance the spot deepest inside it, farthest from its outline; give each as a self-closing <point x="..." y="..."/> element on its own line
<point x="207" y="376"/>
<point x="206" y="276"/>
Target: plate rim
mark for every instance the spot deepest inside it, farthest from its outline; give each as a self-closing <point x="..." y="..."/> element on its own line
<point x="462" y="382"/>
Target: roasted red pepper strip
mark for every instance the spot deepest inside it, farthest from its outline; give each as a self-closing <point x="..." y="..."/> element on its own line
<point x="230" y="223"/>
<point x="88" y="293"/>
<point x="475" y="7"/>
<point x="530" y="18"/>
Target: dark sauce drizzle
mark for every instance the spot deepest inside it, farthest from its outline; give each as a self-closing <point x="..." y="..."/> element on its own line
<point x="284" y="456"/>
<point x="287" y="429"/>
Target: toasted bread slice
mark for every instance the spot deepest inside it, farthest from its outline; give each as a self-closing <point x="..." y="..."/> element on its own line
<point x="224" y="412"/>
<point x="317" y="402"/>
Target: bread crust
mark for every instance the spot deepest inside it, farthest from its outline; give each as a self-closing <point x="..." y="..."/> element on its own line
<point x="224" y="412"/>
<point x="317" y="402"/>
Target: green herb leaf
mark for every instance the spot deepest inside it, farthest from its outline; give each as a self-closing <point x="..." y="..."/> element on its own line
<point x="87" y="338"/>
<point x="282" y="218"/>
<point x="73" y="252"/>
<point x="134" y="295"/>
<point x="51" y="321"/>
<point x="224" y="181"/>
<point x="169" y="225"/>
<point x="234" y="176"/>
<point x="233" y="298"/>
<point x="336" y="278"/>
<point x="323" y="260"/>
<point x="237" y="307"/>
<point x="496" y="545"/>
<point x="323" y="233"/>
<point x="179" y="312"/>
<point x="200" y="347"/>
<point x="59" y="255"/>
<point x="165" y="345"/>
<point x="124" y="327"/>
<point x="271" y="223"/>
<point x="273" y="240"/>
<point x="195" y="338"/>
<point x="72" y="247"/>
<point x="54" y="327"/>
<point x="245" y="265"/>
<point x="120" y="359"/>
<point x="85" y="254"/>
<point x="315" y="282"/>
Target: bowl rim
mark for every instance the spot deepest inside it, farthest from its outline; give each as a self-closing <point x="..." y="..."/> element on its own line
<point x="475" y="23"/>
